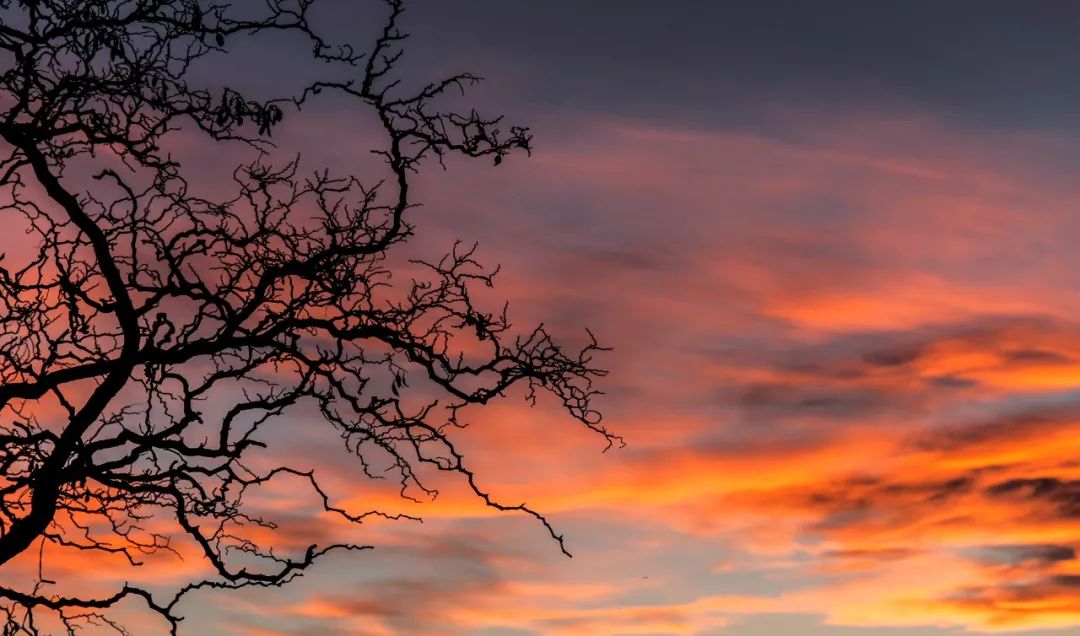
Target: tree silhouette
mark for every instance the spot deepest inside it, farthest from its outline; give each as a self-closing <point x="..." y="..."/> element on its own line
<point x="142" y="301"/>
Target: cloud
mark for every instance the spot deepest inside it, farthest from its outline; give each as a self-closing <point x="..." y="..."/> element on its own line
<point x="844" y="361"/>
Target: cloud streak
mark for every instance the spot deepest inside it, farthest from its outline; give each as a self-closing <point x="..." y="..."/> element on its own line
<point x="846" y="363"/>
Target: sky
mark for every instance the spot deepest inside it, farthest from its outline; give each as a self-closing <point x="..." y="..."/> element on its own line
<point x="833" y="245"/>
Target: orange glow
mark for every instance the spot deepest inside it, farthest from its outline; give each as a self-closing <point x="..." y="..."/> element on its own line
<point x="892" y="442"/>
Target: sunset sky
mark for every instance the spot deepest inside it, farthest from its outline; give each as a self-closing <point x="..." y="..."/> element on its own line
<point x="835" y="246"/>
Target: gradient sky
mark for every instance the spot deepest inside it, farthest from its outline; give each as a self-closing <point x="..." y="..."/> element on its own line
<point x="835" y="247"/>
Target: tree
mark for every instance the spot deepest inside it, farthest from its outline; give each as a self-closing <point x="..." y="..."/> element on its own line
<point x="143" y="297"/>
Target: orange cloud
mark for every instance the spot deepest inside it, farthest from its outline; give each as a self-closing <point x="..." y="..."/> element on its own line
<point x="839" y="403"/>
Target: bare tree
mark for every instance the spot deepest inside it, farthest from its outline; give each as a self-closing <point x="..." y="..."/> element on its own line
<point x="142" y="298"/>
